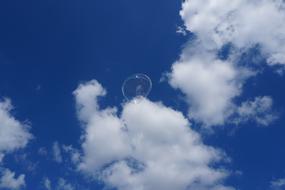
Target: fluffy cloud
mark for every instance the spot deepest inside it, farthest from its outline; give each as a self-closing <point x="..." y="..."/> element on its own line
<point x="10" y="181"/>
<point x="243" y="23"/>
<point x="150" y="146"/>
<point x="13" y="134"/>
<point x="210" y="84"/>
<point x="101" y="127"/>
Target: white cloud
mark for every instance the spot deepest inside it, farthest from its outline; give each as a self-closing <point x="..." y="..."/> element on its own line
<point x="278" y="184"/>
<point x="210" y="84"/>
<point x="211" y="87"/>
<point x="86" y="99"/>
<point x="13" y="134"/>
<point x="258" y="110"/>
<point x="56" y="152"/>
<point x="150" y="146"/>
<point x="243" y="23"/>
<point x="10" y="181"/>
<point x="101" y="127"/>
<point x="64" y="185"/>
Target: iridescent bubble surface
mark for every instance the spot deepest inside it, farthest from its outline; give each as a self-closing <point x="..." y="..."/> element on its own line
<point x="137" y="85"/>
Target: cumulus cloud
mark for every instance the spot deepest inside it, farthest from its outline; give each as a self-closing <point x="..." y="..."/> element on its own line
<point x="258" y="110"/>
<point x="211" y="86"/>
<point x="243" y="23"/>
<point x="211" y="82"/>
<point x="10" y="181"/>
<point x="13" y="134"/>
<point x="101" y="127"/>
<point x="148" y="147"/>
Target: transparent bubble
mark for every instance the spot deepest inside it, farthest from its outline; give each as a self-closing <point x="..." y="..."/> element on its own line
<point x="137" y="85"/>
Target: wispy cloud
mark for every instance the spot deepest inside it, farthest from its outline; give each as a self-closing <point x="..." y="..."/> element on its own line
<point x="56" y="152"/>
<point x="278" y="184"/>
<point x="47" y="183"/>
<point x="258" y="110"/>
<point x="64" y="185"/>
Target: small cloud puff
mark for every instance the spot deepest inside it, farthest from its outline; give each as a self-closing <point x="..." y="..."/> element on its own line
<point x="258" y="110"/>
<point x="13" y="134"/>
<point x="10" y="181"/>
<point x="278" y="184"/>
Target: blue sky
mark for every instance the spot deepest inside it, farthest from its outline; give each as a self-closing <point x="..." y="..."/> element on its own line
<point x="223" y="72"/>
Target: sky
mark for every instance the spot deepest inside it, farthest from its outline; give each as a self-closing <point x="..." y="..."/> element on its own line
<point x="214" y="119"/>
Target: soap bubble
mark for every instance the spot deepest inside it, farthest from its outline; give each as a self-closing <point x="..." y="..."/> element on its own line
<point x="137" y="85"/>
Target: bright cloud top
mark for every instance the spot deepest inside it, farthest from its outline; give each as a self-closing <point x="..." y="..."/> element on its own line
<point x="213" y="84"/>
<point x="242" y="23"/>
<point x="148" y="147"/>
<point x="210" y="85"/>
